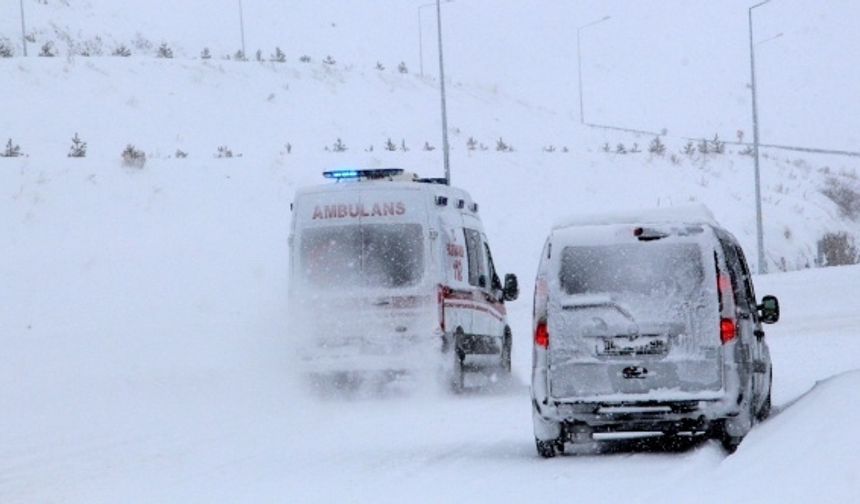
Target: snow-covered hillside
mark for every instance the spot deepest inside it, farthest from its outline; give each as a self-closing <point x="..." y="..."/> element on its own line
<point x="669" y="64"/>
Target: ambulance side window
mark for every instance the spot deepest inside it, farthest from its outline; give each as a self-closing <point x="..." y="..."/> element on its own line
<point x="474" y="253"/>
<point x="495" y="283"/>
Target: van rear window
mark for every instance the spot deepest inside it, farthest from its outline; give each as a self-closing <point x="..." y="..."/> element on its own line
<point x="363" y="255"/>
<point x="651" y="269"/>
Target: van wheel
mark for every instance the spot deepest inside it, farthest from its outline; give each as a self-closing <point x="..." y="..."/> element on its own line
<point x="506" y="351"/>
<point x="764" y="412"/>
<point x="458" y="374"/>
<point x="729" y="443"/>
<point x="549" y="449"/>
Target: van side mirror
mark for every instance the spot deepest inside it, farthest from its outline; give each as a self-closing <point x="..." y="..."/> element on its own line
<point x="512" y="287"/>
<point x="769" y="309"/>
<point x="482" y="281"/>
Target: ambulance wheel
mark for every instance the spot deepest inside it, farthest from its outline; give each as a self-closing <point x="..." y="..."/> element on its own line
<point x="506" y="351"/>
<point x="458" y="374"/>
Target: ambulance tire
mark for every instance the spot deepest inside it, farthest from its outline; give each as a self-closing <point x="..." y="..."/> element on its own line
<point x="458" y="356"/>
<point x="506" y="351"/>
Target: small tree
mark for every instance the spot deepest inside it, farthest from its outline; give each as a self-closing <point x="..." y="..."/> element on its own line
<point x="121" y="51"/>
<point x="689" y="149"/>
<point x="620" y="149"/>
<point x="181" y="154"/>
<point x="635" y="149"/>
<point x="279" y="56"/>
<point x="78" y="148"/>
<point x="380" y="66"/>
<point x="339" y="146"/>
<point x="329" y="60"/>
<point x="471" y="144"/>
<point x="259" y="55"/>
<point x="657" y="147"/>
<point x="549" y="148"/>
<point x="606" y="148"/>
<point x="428" y="147"/>
<point x="224" y="152"/>
<point x="402" y="68"/>
<point x="305" y="58"/>
<point x="205" y="54"/>
<point x="717" y="145"/>
<point x="403" y="146"/>
<point x="390" y="146"/>
<point x="48" y="50"/>
<point x="239" y="56"/>
<point x="501" y="146"/>
<point x="6" y="49"/>
<point x="12" y="149"/>
<point x="748" y="151"/>
<point x="704" y="147"/>
<point x="288" y="148"/>
<point x="164" y="51"/>
<point x="565" y="149"/>
<point x="132" y="157"/>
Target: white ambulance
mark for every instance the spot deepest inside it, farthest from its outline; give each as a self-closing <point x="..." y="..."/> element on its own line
<point x="392" y="274"/>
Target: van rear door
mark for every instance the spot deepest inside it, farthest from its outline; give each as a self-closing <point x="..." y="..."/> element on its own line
<point x="634" y="314"/>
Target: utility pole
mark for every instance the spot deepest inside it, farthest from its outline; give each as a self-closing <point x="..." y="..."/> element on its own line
<point x="762" y="261"/>
<point x="445" y="147"/>
<point x="23" y="30"/>
<point x="242" y="29"/>
<point x="579" y="62"/>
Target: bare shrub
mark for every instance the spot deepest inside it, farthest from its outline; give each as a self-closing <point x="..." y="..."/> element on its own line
<point x="846" y="197"/>
<point x="132" y="157"/>
<point x="837" y="249"/>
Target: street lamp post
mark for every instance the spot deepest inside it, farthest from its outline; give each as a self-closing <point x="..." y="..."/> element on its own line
<point x="421" y="38"/>
<point x="242" y="29"/>
<point x="762" y="264"/>
<point x="23" y="30"/>
<point x="445" y="146"/>
<point x="579" y="61"/>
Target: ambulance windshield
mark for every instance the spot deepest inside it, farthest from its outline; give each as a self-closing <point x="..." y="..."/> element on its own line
<point x="363" y="255"/>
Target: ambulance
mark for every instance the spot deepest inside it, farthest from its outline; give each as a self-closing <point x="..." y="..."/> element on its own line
<point x="391" y="275"/>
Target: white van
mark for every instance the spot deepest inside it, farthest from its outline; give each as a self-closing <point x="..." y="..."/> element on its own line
<point x="388" y="273"/>
<point x="647" y="322"/>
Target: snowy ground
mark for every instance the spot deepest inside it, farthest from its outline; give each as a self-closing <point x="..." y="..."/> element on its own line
<point x="145" y="358"/>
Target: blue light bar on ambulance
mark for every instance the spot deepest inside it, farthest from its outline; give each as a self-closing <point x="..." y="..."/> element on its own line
<point x="350" y="174"/>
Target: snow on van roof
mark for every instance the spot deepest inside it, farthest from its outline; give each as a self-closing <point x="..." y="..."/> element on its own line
<point x="688" y="214"/>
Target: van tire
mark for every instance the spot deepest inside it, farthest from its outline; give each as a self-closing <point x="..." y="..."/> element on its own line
<point x="729" y="443"/>
<point x="549" y="449"/>
<point x="764" y="412"/>
<point x="458" y="374"/>
<point x="505" y="355"/>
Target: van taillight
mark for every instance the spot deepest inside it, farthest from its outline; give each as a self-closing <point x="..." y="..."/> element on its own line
<point x="542" y="335"/>
<point x="728" y="330"/>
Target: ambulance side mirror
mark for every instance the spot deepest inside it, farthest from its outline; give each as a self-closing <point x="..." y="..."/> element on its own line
<point x="512" y="287"/>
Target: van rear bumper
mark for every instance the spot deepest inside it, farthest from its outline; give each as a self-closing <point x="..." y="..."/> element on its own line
<point x="634" y="416"/>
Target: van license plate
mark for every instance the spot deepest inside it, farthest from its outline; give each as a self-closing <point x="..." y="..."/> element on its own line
<point x="635" y="345"/>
